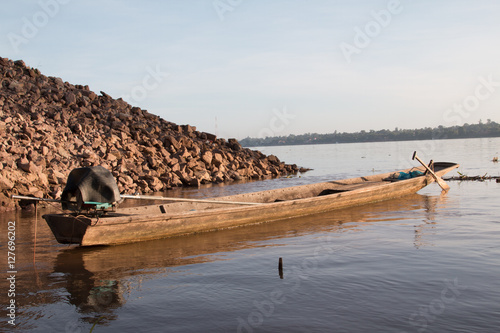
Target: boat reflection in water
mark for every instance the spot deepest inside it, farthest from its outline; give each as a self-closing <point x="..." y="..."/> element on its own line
<point x="99" y="279"/>
<point x="90" y="290"/>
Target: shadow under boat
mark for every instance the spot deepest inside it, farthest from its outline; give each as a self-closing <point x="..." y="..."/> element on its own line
<point x="97" y="278"/>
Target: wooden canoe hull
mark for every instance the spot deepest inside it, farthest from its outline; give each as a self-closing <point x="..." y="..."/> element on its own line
<point x="167" y="220"/>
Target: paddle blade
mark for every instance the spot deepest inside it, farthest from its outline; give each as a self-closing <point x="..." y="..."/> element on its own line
<point x="442" y="184"/>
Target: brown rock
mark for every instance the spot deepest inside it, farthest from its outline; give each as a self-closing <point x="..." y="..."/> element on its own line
<point x="56" y="194"/>
<point x="43" y="179"/>
<point x="6" y="184"/>
<point x="125" y="179"/>
<point x="194" y="182"/>
<point x="70" y="98"/>
<point x="25" y="165"/>
<point x="218" y="177"/>
<point x="170" y="140"/>
<point x="207" y="157"/>
<point x="234" y="144"/>
<point x="273" y="159"/>
<point x="106" y="96"/>
<point x="44" y="150"/>
<point x="56" y="177"/>
<point x="16" y="86"/>
<point x="235" y="175"/>
<point x="175" y="180"/>
<point x="183" y="153"/>
<point x="203" y="176"/>
<point x="153" y="162"/>
<point x="6" y="203"/>
<point x="217" y="159"/>
<point x="208" y="136"/>
<point x="58" y="81"/>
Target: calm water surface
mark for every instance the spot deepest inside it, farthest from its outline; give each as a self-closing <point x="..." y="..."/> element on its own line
<point x="422" y="263"/>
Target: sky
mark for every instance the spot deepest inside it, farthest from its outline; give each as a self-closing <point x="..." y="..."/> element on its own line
<point x="256" y="68"/>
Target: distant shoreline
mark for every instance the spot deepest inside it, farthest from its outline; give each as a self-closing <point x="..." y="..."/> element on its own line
<point x="490" y="129"/>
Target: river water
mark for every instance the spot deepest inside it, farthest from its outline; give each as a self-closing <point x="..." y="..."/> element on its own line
<point x="427" y="262"/>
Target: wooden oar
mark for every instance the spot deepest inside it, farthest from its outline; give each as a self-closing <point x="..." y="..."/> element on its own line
<point x="152" y="197"/>
<point x="23" y="197"/>
<point x="146" y="197"/>
<point x="438" y="179"/>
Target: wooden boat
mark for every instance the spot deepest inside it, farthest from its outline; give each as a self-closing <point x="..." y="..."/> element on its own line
<point x="127" y="225"/>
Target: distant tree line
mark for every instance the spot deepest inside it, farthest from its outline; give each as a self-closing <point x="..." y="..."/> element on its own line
<point x="480" y="130"/>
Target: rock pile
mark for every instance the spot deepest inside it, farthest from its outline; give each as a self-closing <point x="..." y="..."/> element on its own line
<point x="49" y="127"/>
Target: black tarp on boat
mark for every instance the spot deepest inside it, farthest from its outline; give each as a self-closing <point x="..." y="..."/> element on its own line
<point x="91" y="184"/>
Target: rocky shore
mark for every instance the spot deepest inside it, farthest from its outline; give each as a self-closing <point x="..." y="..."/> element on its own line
<point x="49" y="127"/>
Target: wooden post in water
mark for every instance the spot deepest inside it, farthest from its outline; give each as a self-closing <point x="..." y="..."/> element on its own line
<point x="280" y="267"/>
